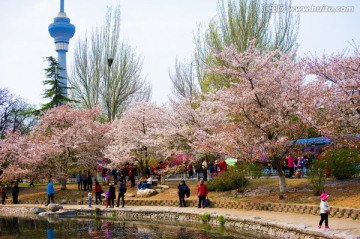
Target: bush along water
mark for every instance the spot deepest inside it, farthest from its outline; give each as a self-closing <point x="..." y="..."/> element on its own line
<point x="228" y="180"/>
<point x="221" y="220"/>
<point x="205" y="217"/>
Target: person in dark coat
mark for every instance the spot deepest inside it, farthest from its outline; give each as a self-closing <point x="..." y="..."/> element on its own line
<point x="3" y="192"/>
<point x="15" y="193"/>
<point x="112" y="195"/>
<point x="122" y="191"/>
<point x="184" y="190"/>
<point x="114" y="173"/>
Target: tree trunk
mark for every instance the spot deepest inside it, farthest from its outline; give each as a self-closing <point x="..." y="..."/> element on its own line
<point x="162" y="179"/>
<point x="282" y="183"/>
<point x="63" y="183"/>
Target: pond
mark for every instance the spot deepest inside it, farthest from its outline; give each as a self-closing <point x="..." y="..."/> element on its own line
<point x="37" y="227"/>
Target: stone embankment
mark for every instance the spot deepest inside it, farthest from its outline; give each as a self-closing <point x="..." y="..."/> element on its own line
<point x="272" y="224"/>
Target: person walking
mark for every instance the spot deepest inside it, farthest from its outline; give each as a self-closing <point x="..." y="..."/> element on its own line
<point x="3" y="192"/>
<point x="291" y="166"/>
<point x="90" y="198"/>
<point x="84" y="179"/>
<point x="114" y="174"/>
<point x="122" y="191"/>
<point x="79" y="181"/>
<point x="112" y="195"/>
<point x="31" y="184"/>
<point x="204" y="167"/>
<point x="202" y="192"/>
<point x="50" y="191"/>
<point x="184" y="190"/>
<point x="90" y="179"/>
<point x="15" y="193"/>
<point x="324" y="210"/>
<point x="190" y="169"/>
<point x="98" y="192"/>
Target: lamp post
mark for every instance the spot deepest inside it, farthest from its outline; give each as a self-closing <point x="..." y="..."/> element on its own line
<point x="108" y="95"/>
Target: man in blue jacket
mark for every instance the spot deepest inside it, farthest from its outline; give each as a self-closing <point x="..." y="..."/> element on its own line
<point x="50" y="191"/>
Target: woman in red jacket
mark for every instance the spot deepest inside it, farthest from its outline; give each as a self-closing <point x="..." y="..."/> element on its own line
<point x="98" y="192"/>
<point x="202" y="192"/>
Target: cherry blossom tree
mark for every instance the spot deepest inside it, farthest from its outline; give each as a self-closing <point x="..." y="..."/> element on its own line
<point x="140" y="134"/>
<point x="333" y="94"/>
<point x="15" y="150"/>
<point x="260" y="109"/>
<point x="69" y="139"/>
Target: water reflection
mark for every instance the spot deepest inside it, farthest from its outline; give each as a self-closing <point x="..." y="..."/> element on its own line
<point x="38" y="227"/>
<point x="50" y="231"/>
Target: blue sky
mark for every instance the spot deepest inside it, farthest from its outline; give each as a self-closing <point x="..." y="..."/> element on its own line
<point x="159" y="30"/>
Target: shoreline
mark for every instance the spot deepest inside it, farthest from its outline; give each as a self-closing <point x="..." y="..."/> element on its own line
<point x="273" y="224"/>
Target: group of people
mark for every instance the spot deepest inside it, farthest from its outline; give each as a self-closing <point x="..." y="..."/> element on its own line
<point x="124" y="173"/>
<point x="296" y="166"/>
<point x="84" y="180"/>
<point x="14" y="191"/>
<point x="145" y="182"/>
<point x="50" y="192"/>
<point x="184" y="191"/>
<point x="110" y="195"/>
<point x="202" y="169"/>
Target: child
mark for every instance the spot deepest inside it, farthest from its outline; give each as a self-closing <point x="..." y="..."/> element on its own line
<point x="90" y="198"/>
<point x="324" y="210"/>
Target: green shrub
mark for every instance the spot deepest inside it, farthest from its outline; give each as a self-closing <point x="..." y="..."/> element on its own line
<point x="97" y="211"/>
<point x="255" y="170"/>
<point x="205" y="217"/>
<point x="342" y="162"/>
<point x="228" y="180"/>
<point x="317" y="177"/>
<point x="221" y="220"/>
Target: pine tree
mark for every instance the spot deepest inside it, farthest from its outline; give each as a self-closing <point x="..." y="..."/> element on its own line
<point x="56" y="91"/>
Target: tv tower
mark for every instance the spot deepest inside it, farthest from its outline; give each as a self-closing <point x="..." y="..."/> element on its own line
<point x="62" y="30"/>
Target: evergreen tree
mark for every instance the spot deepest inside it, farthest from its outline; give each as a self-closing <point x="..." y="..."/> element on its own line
<point x="57" y="91"/>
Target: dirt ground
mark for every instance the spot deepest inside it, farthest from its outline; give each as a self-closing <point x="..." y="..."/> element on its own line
<point x="344" y="193"/>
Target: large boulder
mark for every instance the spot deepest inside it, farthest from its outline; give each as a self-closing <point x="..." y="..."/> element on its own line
<point x="146" y="192"/>
<point x="54" y="207"/>
<point x="36" y="210"/>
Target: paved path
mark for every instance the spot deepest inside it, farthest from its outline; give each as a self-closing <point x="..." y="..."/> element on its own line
<point x="346" y="228"/>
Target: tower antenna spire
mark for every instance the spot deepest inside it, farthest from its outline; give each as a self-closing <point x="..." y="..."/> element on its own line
<point x="61" y="5"/>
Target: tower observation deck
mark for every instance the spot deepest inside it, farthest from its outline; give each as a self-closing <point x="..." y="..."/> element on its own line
<point x="62" y="30"/>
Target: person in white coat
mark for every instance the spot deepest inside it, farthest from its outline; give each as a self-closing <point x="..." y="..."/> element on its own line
<point x="324" y="210"/>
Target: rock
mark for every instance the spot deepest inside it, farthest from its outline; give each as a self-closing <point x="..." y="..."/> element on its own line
<point x="44" y="214"/>
<point x="63" y="202"/>
<point x="54" y="207"/>
<point x="146" y="192"/>
<point x="69" y="213"/>
<point x="36" y="210"/>
<point x="163" y="186"/>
